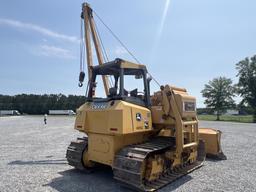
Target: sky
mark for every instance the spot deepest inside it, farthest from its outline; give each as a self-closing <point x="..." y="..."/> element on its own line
<point x="182" y="43"/>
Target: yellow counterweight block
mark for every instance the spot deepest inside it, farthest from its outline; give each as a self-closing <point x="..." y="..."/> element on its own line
<point x="111" y="126"/>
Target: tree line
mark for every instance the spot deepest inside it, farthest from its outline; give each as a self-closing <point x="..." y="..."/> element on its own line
<point x="219" y="94"/>
<point x="40" y="104"/>
<point x="220" y="91"/>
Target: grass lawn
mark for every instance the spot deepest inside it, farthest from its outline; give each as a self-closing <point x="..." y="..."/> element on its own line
<point x="235" y="118"/>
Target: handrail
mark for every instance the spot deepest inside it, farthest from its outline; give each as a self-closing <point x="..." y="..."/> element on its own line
<point x="190" y="122"/>
<point x="193" y="144"/>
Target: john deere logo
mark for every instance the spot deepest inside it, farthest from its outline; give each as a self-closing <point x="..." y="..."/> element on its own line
<point x="138" y="116"/>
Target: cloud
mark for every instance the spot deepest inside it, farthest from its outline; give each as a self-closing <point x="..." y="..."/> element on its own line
<point x="119" y="51"/>
<point x="38" y="29"/>
<point x="166" y="8"/>
<point x="160" y="29"/>
<point x="53" y="51"/>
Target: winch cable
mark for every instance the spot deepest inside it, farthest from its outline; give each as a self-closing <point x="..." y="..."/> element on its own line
<point x="105" y="55"/>
<point x="81" y="47"/>
<point x="123" y="45"/>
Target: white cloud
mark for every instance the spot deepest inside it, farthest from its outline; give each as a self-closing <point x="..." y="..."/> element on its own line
<point x="53" y="51"/>
<point x="160" y="30"/>
<point x="119" y="51"/>
<point x="38" y="29"/>
<point x="161" y="27"/>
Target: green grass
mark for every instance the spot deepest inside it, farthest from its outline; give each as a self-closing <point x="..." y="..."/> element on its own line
<point x="234" y="118"/>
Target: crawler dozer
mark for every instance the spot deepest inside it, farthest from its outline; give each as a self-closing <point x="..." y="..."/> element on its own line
<point x="148" y="140"/>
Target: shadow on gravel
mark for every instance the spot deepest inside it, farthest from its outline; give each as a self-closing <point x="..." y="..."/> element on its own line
<point x="40" y="162"/>
<point x="99" y="180"/>
<point x="78" y="181"/>
<point x="213" y="160"/>
<point x="176" y="184"/>
<point x="210" y="159"/>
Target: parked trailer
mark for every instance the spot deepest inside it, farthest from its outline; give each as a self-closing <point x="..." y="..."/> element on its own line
<point x="9" y="112"/>
<point x="61" y="112"/>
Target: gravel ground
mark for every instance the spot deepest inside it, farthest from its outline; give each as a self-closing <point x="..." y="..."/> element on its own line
<point x="32" y="158"/>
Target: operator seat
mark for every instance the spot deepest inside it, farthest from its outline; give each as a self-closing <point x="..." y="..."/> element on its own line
<point x="112" y="92"/>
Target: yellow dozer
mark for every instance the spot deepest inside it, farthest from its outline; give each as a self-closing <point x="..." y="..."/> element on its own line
<point x="148" y="140"/>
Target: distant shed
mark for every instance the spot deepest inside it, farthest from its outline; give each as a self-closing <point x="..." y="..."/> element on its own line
<point x="61" y="112"/>
<point x="9" y="112"/>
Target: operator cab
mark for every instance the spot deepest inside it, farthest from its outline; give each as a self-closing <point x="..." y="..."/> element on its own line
<point x="122" y="87"/>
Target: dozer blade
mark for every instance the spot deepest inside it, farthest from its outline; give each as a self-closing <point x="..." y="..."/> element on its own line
<point x="212" y="139"/>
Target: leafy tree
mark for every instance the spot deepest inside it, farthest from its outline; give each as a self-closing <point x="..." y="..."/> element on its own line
<point x="244" y="109"/>
<point x="247" y="82"/>
<point x="219" y="95"/>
